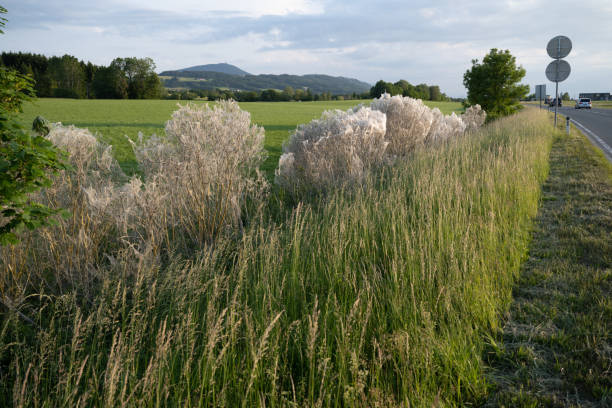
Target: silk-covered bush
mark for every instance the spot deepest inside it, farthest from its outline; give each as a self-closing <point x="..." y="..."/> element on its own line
<point x="337" y="149"/>
<point x="408" y="122"/>
<point x="207" y="167"/>
<point x="444" y="127"/>
<point x="341" y="147"/>
<point x="66" y="255"/>
<point x="198" y="181"/>
<point x="474" y="117"/>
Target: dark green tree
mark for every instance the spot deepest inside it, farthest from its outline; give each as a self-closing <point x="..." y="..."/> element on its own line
<point x="288" y="93"/>
<point x="422" y="91"/>
<point x="494" y="84"/>
<point x="406" y="88"/>
<point x="67" y="77"/>
<point x="308" y="96"/>
<point x="30" y="64"/>
<point x="270" y="95"/>
<point x="434" y="93"/>
<point x="143" y="82"/>
<point x="109" y="83"/>
<point x="565" y="97"/>
<point x="3" y="20"/>
<point x="90" y="71"/>
<point x="381" y="87"/>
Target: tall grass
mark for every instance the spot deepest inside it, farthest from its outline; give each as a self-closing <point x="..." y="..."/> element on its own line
<point x="199" y="180"/>
<point x="375" y="296"/>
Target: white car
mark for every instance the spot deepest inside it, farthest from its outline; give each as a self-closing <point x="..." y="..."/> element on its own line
<point x="584" y="103"/>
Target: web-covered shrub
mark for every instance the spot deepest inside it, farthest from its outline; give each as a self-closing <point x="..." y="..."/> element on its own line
<point x="444" y="127"/>
<point x="206" y="168"/>
<point x="474" y="117"/>
<point x="409" y="122"/>
<point x="68" y="254"/>
<point x="197" y="182"/>
<point x="337" y="149"/>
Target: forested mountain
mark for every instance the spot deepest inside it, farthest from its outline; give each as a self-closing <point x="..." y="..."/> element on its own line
<point x="224" y="68"/>
<point x="216" y="80"/>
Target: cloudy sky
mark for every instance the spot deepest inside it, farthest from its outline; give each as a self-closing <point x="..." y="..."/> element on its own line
<point x="418" y="40"/>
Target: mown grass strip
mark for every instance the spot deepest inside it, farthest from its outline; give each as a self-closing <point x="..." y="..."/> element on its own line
<point x="556" y="348"/>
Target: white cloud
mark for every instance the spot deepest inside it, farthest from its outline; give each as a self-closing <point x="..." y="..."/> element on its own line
<point x="249" y="8"/>
<point x="427" y="12"/>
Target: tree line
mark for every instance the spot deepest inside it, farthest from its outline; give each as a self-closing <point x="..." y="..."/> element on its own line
<point x="267" y="95"/>
<point x="405" y="88"/>
<point x="135" y="78"/>
<point x="401" y="87"/>
<point x="69" y="77"/>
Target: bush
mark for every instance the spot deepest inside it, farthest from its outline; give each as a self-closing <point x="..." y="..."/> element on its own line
<point x="198" y="181"/>
<point x="335" y="150"/>
<point x="474" y="117"/>
<point x="408" y="122"/>
<point x="73" y="249"/>
<point x="207" y="168"/>
<point x="444" y="127"/>
<point x="341" y="147"/>
<point x="65" y="93"/>
<point x="411" y="123"/>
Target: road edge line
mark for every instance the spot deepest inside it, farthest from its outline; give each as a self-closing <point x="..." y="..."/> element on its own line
<point x="596" y="140"/>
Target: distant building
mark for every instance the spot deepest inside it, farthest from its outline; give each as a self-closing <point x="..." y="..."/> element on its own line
<point x="601" y="96"/>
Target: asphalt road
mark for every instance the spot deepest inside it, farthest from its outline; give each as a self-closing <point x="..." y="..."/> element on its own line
<point x="595" y="123"/>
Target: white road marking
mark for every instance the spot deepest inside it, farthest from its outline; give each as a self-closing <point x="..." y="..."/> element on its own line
<point x="599" y="140"/>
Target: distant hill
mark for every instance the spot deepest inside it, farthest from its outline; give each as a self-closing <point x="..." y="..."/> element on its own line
<point x="190" y="79"/>
<point x="223" y="68"/>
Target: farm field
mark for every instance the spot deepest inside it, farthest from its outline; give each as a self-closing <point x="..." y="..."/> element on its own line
<point x="112" y="120"/>
<point x="602" y="104"/>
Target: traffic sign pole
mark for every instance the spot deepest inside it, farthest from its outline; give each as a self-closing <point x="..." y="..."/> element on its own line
<point x="556" y="100"/>
<point x="558" y="70"/>
<point x="557" y="82"/>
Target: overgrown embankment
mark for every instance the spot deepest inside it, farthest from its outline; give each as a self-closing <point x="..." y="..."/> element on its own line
<point x="376" y="296"/>
<point x="556" y="347"/>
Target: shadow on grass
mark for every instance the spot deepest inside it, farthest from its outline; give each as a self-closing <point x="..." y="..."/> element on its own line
<point x="116" y="125"/>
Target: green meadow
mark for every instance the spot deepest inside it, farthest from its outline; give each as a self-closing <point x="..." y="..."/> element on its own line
<point x="113" y="120"/>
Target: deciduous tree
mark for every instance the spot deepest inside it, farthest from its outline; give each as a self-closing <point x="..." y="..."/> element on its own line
<point x="494" y="84"/>
<point x="143" y="82"/>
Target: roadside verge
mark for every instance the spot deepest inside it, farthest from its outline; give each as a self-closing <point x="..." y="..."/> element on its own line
<point x="555" y="349"/>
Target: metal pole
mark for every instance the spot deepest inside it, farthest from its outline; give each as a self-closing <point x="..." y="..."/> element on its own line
<point x="567" y="124"/>
<point x="556" y="100"/>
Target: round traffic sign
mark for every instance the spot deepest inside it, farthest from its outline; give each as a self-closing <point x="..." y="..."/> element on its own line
<point x="559" y="47"/>
<point x="558" y="70"/>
